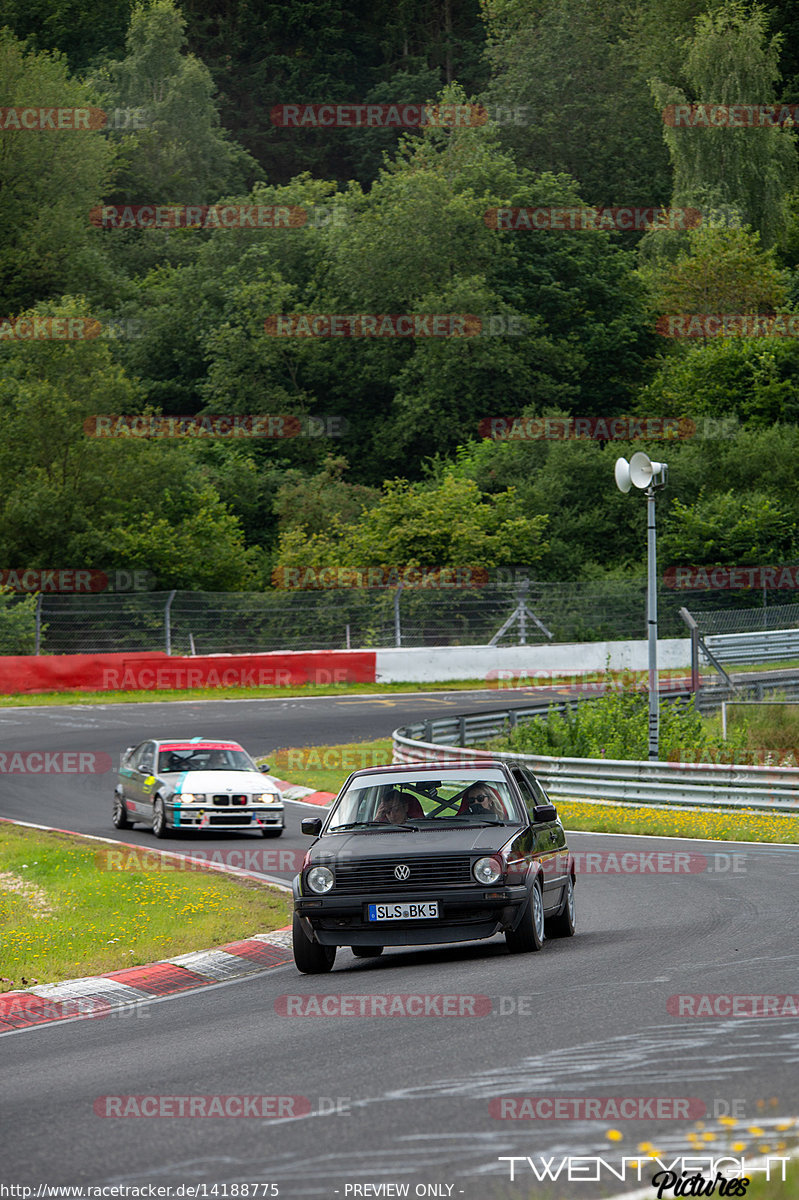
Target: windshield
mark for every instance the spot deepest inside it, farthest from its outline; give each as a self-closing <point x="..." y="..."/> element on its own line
<point x="438" y="800"/>
<point x="172" y="759"/>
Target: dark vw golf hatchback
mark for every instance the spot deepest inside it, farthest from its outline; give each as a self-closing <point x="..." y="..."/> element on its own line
<point x="418" y="855"/>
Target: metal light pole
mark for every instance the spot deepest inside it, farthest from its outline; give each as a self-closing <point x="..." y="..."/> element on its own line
<point x="652" y="625"/>
<point x="648" y="476"/>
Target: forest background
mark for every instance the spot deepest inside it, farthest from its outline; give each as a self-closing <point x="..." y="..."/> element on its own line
<point x="574" y="91"/>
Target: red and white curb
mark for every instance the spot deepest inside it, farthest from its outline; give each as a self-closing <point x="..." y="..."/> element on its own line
<point x="99" y="995"/>
<point x="293" y="791"/>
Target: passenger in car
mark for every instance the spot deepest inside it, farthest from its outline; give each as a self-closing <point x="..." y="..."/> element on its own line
<point x="482" y="800"/>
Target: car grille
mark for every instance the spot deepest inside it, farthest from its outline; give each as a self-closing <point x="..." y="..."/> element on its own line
<point x="229" y="819"/>
<point x="226" y="800"/>
<point x="377" y="874"/>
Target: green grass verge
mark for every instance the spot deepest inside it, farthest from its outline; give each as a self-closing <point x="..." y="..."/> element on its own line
<point x="63" y="914"/>
<point x="325" y="768"/>
<point x="237" y="693"/>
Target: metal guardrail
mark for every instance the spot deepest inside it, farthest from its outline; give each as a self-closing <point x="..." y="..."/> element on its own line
<point x="757" y="646"/>
<point x="678" y="785"/>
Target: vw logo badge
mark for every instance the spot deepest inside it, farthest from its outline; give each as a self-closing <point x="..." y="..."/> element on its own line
<point x="402" y="871"/>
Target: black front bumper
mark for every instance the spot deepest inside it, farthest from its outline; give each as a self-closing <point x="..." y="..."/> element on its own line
<point x="465" y="914"/>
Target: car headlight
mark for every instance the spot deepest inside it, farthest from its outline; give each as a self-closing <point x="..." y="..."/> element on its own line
<point x="266" y="798"/>
<point x="320" y="880"/>
<point x="191" y="797"/>
<point x="487" y="870"/>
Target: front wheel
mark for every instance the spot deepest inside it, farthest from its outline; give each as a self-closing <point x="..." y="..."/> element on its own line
<point x="310" y="957"/>
<point x="270" y="831"/>
<point x="367" y="951"/>
<point x="563" y="925"/>
<point x="528" y="935"/>
<point x="119" y="816"/>
<point x="159" y="818"/>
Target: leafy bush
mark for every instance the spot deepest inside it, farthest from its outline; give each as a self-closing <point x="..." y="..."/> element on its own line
<point x="616" y="725"/>
<point x="17" y="623"/>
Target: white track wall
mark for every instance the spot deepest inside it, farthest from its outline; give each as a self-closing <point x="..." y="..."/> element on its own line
<point x="498" y="665"/>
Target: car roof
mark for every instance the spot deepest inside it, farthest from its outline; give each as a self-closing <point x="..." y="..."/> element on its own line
<point x="196" y="744"/>
<point x="435" y="768"/>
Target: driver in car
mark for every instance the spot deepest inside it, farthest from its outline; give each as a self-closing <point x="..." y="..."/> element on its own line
<point x="393" y="808"/>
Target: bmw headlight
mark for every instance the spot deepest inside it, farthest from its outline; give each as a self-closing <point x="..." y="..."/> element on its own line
<point x="266" y="798"/>
<point x="192" y="797"/>
<point x="320" y="880"/>
<point x="487" y="870"/>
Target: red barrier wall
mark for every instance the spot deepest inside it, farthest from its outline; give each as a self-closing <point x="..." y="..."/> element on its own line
<point x="132" y="672"/>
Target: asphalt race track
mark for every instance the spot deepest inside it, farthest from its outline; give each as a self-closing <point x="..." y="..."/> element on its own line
<point x="407" y="1099"/>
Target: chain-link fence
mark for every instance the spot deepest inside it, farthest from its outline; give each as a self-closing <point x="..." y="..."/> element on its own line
<point x="749" y="620"/>
<point x="501" y="613"/>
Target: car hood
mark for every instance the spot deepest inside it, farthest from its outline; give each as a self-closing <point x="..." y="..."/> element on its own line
<point x="401" y="842"/>
<point x="220" y="781"/>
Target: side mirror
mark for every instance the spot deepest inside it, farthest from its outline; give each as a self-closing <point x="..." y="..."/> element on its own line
<point x="311" y="825"/>
<point x="264" y="768"/>
<point x="544" y="812"/>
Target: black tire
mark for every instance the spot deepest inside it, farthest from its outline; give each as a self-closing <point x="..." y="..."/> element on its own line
<point x="563" y="925"/>
<point x="159" y="818"/>
<point x="528" y="936"/>
<point x="270" y="831"/>
<point x="367" y="951"/>
<point x="119" y="816"/>
<point x="310" y="957"/>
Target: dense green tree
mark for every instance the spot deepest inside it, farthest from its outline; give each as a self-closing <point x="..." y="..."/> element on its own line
<point x="727" y="527"/>
<point x="418" y="525"/>
<point x="573" y="97"/>
<point x="721" y="271"/>
<point x="720" y="383"/>
<point x="181" y="154"/>
<point x="747" y="172"/>
<point x="50" y="180"/>
<point x="73" y="500"/>
<point x="75" y="30"/>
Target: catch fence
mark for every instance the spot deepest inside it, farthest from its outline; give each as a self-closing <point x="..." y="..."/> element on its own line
<point x="499" y="613"/>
